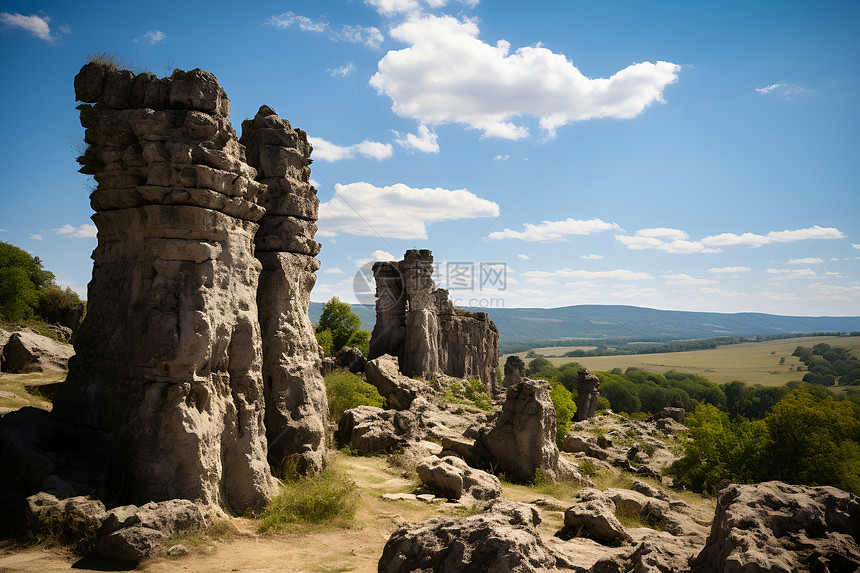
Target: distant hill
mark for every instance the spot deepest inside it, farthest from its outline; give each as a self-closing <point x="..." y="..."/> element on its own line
<point x="603" y="321"/>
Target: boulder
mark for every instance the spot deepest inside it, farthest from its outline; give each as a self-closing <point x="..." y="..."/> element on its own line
<point x="522" y="438"/>
<point x="594" y="517"/>
<point x="656" y="554"/>
<point x="399" y="390"/>
<point x="368" y="429"/>
<point x="451" y="477"/>
<point x="502" y="540"/>
<point x="515" y="371"/>
<point x="28" y="351"/>
<point x="776" y="527"/>
<point x="676" y="414"/>
<point x="472" y="451"/>
<point x="351" y="358"/>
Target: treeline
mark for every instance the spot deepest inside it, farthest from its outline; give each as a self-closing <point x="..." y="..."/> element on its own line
<point x="829" y="365"/>
<point x="29" y="292"/>
<point x="626" y="346"/>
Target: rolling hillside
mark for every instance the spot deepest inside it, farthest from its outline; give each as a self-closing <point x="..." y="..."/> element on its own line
<point x="598" y="321"/>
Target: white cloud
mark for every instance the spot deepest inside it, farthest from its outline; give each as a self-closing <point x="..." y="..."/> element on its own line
<point x="370" y="36"/>
<point x="327" y="151"/>
<point x="377" y="255"/>
<point x="793" y="273"/>
<point x="784" y="89"/>
<point x="504" y="157"/>
<point x="753" y="240"/>
<point x="729" y="270"/>
<point x="154" y="36"/>
<point x="663" y="233"/>
<point x="591" y="257"/>
<point x="333" y="271"/>
<point x="398" y="211"/>
<point x="447" y="74"/>
<point x="85" y="231"/>
<point x="389" y="7"/>
<point x="36" y="236"/>
<point x="657" y="238"/>
<point x="683" y="279"/>
<point x="555" y="230"/>
<point x="718" y="291"/>
<point x="37" y="25"/>
<point x="3" y="231"/>
<point x="539" y="277"/>
<point x="424" y="140"/>
<point x="523" y="257"/>
<point x="855" y="245"/>
<point x="342" y="71"/>
<point x="806" y="261"/>
<point x="305" y="24"/>
<point x="779" y="295"/>
<point x="834" y="292"/>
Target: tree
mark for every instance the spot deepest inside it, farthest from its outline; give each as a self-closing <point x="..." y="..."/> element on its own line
<point x="345" y="327"/>
<point x="21" y="277"/>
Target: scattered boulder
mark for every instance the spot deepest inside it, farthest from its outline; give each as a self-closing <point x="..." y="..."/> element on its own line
<point x="452" y="478"/>
<point x="368" y="429"/>
<point x="777" y="527"/>
<point x="28" y="351"/>
<point x="676" y="414"/>
<point x="522" y="438"/>
<point x="502" y="540"/>
<point x="587" y="394"/>
<point x="656" y="512"/>
<point x="351" y="358"/>
<point x="594" y="517"/>
<point x="656" y="554"/>
<point x="399" y="390"/>
<point x="515" y="371"/>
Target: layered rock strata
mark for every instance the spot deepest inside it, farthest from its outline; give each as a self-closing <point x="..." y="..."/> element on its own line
<point x="418" y="324"/>
<point x="169" y="360"/>
<point x="296" y="408"/>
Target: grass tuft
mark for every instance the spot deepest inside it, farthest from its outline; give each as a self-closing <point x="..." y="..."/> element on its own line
<point x="326" y="498"/>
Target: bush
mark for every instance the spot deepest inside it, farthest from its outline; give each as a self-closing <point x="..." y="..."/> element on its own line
<point x="565" y="408"/>
<point x="471" y="393"/>
<point x="325" y="498"/>
<point x="347" y="390"/>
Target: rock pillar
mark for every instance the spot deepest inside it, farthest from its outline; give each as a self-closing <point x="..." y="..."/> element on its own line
<point x="587" y="394"/>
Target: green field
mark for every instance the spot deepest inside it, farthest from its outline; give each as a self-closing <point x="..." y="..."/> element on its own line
<point x="752" y="362"/>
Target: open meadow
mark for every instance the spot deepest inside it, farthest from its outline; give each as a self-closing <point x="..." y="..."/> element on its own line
<point x="752" y="362"/>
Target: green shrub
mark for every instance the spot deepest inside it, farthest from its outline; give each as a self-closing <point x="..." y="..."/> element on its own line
<point x="587" y="467"/>
<point x="325" y="340"/>
<point x="326" y="498"/>
<point x="470" y="393"/>
<point x="565" y="408"/>
<point x="347" y="390"/>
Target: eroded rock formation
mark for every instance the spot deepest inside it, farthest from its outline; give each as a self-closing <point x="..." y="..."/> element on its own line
<point x="296" y="407"/>
<point x="418" y="324"/>
<point x="170" y="361"/>
<point x="515" y="371"/>
<point x="587" y="394"/>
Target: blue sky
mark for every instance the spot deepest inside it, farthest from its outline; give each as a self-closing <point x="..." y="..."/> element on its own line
<point x="676" y="155"/>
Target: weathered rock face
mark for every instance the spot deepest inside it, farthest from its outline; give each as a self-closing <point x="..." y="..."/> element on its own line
<point x="586" y="398"/>
<point x="296" y="408"/>
<point x="505" y="539"/>
<point x="368" y="429"/>
<point x="28" y="351"/>
<point x="169" y="363"/>
<point x="515" y="371"/>
<point x="351" y="358"/>
<point x="399" y="390"/>
<point x="777" y="527"/>
<point x="418" y="324"/>
<point x="523" y="436"/>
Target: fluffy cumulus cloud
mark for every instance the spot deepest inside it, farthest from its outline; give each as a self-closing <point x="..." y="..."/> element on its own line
<point x="793" y="273"/>
<point x="729" y="270"/>
<point x="677" y="241"/>
<point x="325" y="150"/>
<point x="397" y="211"/>
<point x="85" y="231"/>
<point x="566" y="274"/>
<point x="686" y="280"/>
<point x="424" y="140"/>
<point x="855" y="245"/>
<point x="37" y="25"/>
<point x="591" y="257"/>
<point x="805" y="261"/>
<point x="555" y="230"/>
<point x="447" y="74"/>
<point x="523" y="256"/>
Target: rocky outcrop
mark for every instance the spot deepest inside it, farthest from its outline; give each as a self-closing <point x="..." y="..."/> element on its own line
<point x="27" y="351"/>
<point x="594" y="517"/>
<point x="399" y="390"/>
<point x="450" y="477"/>
<point x="587" y="394"/>
<point x="776" y="527"/>
<point x="522" y="438"/>
<point x="295" y="399"/>
<point x="515" y="371"/>
<point x="676" y="414"/>
<point x="505" y="539"/>
<point x="419" y="325"/>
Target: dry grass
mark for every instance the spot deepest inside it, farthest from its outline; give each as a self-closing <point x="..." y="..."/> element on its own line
<point x="19" y="390"/>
